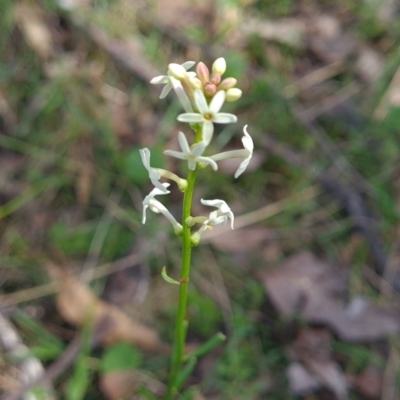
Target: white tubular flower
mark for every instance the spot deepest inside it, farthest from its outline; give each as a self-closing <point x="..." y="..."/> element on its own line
<point x="208" y="114"/>
<point x="157" y="207"/>
<point x="166" y="79"/>
<point x="149" y="200"/>
<point x="154" y="174"/>
<point x="220" y="216"/>
<point x="192" y="155"/>
<point x="246" y="153"/>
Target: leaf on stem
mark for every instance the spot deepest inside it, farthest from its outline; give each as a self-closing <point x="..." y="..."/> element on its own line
<point x="167" y="278"/>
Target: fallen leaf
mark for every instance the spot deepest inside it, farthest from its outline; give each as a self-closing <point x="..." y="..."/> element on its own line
<point x="118" y="385"/>
<point x="300" y="380"/>
<point x="315" y="288"/>
<point x="369" y="383"/>
<point x="244" y="239"/>
<point x="77" y="305"/>
<point x="31" y="21"/>
<point x="312" y="348"/>
<point x="289" y="30"/>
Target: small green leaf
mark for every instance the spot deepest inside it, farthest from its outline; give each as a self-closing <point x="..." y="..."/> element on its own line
<point x="120" y="356"/>
<point x="167" y="278"/>
<point x="79" y="381"/>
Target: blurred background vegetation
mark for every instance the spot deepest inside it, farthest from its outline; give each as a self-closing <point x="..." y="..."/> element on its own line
<point x="305" y="288"/>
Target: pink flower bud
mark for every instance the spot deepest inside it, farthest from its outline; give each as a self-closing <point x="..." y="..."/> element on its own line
<point x="227" y="83"/>
<point x="202" y="72"/>
<point x="210" y="89"/>
<point x="215" y="79"/>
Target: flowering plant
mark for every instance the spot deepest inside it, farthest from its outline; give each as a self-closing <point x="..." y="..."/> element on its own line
<point x="202" y="95"/>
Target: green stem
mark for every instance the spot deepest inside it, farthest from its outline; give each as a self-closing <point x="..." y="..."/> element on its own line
<point x="179" y="342"/>
<point x="180" y="324"/>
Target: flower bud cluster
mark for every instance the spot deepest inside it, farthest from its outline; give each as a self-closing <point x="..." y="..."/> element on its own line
<point x="202" y="95"/>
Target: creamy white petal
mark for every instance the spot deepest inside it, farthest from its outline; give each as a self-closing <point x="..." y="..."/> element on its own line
<point x="217" y="102"/>
<point x="224" y="118"/>
<point x="181" y="94"/>
<point x="209" y="161"/>
<point x="190" y="118"/>
<point x="198" y="149"/>
<point x="183" y="143"/>
<point x="242" y="167"/>
<point x="188" y="64"/>
<point x="166" y="89"/>
<point x="160" y="79"/>
<point x="200" y="101"/>
<point x="145" y="156"/>
<point x="212" y="203"/>
<point x="176" y="154"/>
<point x="207" y="132"/>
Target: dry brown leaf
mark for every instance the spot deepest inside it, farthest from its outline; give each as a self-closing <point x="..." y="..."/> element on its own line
<point x="369" y="383"/>
<point x="315" y="288"/>
<point x="245" y="239"/>
<point x="77" y="304"/>
<point x="312" y="348"/>
<point x="300" y="380"/>
<point x="289" y="30"/>
<point x="31" y="21"/>
<point x="118" y="385"/>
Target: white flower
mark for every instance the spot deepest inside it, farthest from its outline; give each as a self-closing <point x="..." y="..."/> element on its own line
<point x="157" y="207"/>
<point x="154" y="174"/>
<point x="249" y="146"/>
<point x="167" y="79"/>
<point x="192" y="155"/>
<point x="208" y="114"/>
<point x="246" y="153"/>
<point x="220" y="216"/>
<point x="149" y="200"/>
